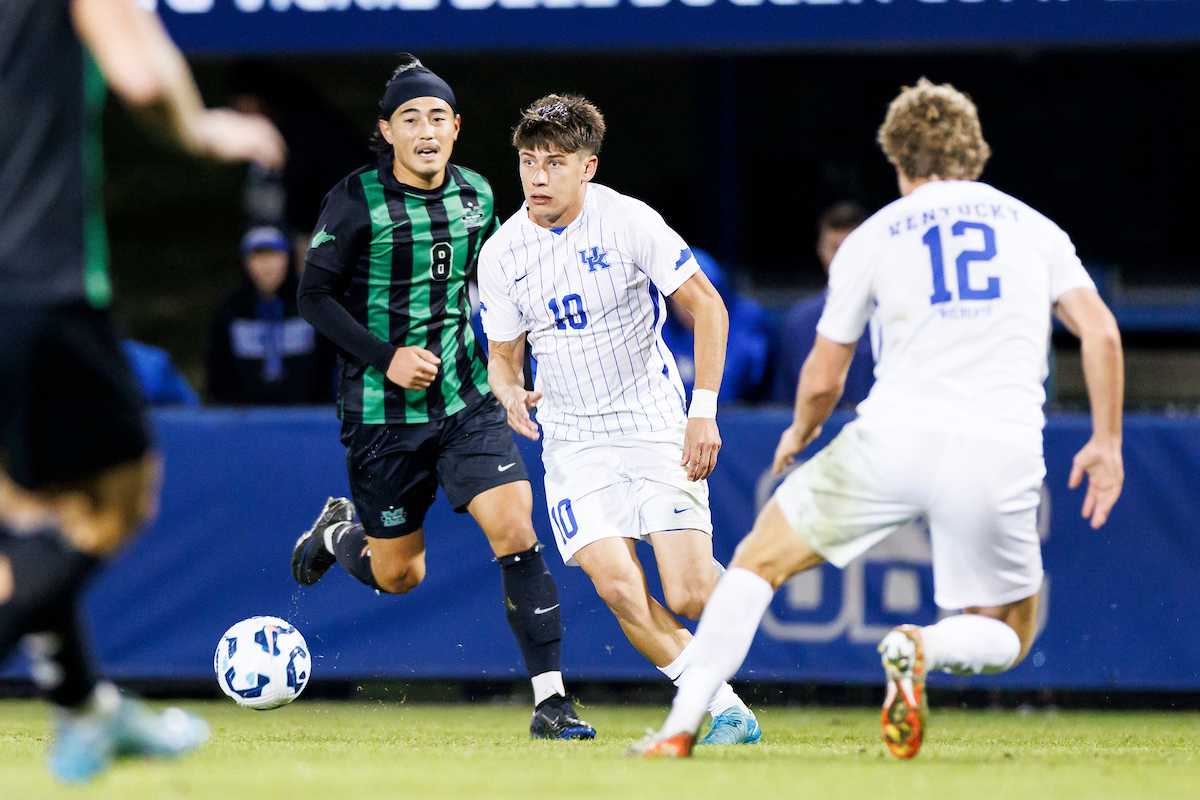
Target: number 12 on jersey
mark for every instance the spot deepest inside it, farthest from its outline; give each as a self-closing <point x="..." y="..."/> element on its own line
<point x="933" y="240"/>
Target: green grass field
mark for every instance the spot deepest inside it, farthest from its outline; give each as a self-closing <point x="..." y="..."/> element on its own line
<point x="380" y="751"/>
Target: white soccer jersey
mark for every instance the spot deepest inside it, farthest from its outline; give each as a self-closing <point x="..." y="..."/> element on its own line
<point x="590" y="297"/>
<point x="960" y="278"/>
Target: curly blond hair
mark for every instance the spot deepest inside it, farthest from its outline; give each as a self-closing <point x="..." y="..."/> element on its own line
<point x="933" y="129"/>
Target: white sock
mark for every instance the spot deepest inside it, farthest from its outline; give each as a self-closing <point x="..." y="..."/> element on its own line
<point x="722" y="640"/>
<point x="547" y="685"/>
<point x="725" y="697"/>
<point x="970" y="644"/>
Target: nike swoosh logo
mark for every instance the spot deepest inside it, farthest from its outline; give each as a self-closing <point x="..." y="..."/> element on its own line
<point x="680" y="510"/>
<point x="523" y="277"/>
<point x="540" y="611"/>
<point x="506" y="466"/>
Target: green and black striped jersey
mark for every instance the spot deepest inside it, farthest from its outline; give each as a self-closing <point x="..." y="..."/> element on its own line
<point x="404" y="255"/>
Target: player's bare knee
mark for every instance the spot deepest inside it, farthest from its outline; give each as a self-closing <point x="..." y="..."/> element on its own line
<point x="623" y="594"/>
<point x="516" y="536"/>
<point x="688" y="604"/>
<point x="687" y="598"/>
<point x="101" y="514"/>
<point x="404" y="579"/>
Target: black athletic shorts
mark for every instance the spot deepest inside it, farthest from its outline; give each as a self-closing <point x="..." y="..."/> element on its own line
<point x="69" y="405"/>
<point x="395" y="469"/>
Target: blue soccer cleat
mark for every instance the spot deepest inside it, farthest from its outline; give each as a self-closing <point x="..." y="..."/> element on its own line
<point x="81" y="750"/>
<point x="736" y="725"/>
<point x="117" y="727"/>
<point x="138" y="731"/>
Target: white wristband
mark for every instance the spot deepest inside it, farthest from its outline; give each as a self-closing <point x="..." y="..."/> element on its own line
<point x="704" y="404"/>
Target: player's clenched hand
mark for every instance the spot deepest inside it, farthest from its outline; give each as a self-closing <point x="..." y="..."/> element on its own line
<point x="700" y="446"/>
<point x="790" y="443"/>
<point x="517" y="405"/>
<point x="1106" y="474"/>
<point x="413" y="368"/>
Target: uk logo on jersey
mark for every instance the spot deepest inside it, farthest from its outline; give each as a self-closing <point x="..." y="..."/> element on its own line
<point x="595" y="260"/>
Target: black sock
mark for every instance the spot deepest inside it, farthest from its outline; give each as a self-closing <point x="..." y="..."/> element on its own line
<point x="350" y="548"/>
<point x="47" y="575"/>
<point x="531" y="604"/>
<point x="61" y="667"/>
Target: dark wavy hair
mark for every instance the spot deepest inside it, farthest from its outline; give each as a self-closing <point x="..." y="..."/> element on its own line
<point x="560" y="123"/>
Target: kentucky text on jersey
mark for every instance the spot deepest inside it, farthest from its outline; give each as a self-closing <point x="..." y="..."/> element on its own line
<point x="405" y="255"/>
<point x="590" y="297"/>
<point x="932" y="216"/>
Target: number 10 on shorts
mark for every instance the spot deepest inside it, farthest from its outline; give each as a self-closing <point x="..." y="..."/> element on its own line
<point x="563" y="519"/>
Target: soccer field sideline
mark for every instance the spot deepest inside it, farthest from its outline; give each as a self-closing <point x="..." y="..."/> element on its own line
<point x="376" y="750"/>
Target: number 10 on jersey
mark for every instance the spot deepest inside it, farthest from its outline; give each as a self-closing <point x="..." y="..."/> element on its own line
<point x="572" y="312"/>
<point x="933" y="240"/>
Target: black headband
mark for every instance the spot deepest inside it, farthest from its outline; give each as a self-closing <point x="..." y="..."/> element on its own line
<point x="414" y="82"/>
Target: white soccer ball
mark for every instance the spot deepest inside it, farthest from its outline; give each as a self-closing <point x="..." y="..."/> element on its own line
<point x="262" y="663"/>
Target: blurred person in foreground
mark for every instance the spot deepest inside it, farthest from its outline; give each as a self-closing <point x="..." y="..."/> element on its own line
<point x="747" y="349"/>
<point x="260" y="350"/>
<point x="799" y="329"/>
<point x="962" y="280"/>
<point x="79" y="471"/>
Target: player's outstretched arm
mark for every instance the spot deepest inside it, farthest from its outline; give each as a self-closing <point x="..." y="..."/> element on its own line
<point x="507" y="379"/>
<point x="702" y="441"/>
<point x="1086" y="316"/>
<point x="145" y="69"/>
<point x="822" y="380"/>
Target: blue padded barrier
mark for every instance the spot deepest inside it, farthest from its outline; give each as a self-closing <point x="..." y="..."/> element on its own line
<point x="1121" y="605"/>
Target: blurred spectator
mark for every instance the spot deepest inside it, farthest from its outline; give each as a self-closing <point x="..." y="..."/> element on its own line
<point x="161" y="382"/>
<point x="747" y="351"/>
<point x="323" y="147"/>
<point x="260" y="351"/>
<point x="799" y="330"/>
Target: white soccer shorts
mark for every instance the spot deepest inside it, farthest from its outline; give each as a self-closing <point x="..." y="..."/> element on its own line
<point x="979" y="496"/>
<point x="621" y="486"/>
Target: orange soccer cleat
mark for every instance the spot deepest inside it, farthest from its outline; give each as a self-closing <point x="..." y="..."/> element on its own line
<point x="655" y="745"/>
<point x="905" y="709"/>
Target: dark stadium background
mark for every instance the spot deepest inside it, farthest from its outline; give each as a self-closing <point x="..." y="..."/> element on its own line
<point x="740" y="153"/>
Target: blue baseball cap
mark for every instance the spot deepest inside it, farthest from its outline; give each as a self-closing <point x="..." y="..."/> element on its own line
<point x="264" y="237"/>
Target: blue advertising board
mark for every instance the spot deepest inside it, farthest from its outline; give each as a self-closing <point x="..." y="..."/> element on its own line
<point x="275" y="26"/>
<point x="1119" y="611"/>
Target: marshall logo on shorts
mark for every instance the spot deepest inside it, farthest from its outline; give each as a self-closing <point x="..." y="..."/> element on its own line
<point x="472" y="215"/>
<point x="393" y="517"/>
